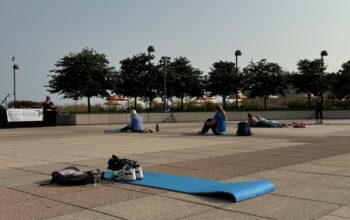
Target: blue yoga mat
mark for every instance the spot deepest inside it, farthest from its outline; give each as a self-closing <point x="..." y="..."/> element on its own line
<point x="238" y="191"/>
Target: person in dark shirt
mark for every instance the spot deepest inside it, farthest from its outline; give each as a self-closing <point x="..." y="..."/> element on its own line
<point x="319" y="109"/>
<point x="48" y="104"/>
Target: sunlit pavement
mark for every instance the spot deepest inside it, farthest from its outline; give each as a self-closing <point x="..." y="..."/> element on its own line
<point x="310" y="168"/>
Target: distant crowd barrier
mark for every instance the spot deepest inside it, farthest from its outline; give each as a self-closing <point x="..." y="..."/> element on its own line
<point x="96" y="118"/>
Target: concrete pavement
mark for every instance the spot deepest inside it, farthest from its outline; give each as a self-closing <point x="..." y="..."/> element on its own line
<point x="310" y="168"/>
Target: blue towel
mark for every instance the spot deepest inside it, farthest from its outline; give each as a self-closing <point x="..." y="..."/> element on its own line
<point x="237" y="191"/>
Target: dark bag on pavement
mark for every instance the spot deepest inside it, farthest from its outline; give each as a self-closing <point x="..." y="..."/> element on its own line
<point x="116" y="163"/>
<point x="71" y="176"/>
<point x="243" y="129"/>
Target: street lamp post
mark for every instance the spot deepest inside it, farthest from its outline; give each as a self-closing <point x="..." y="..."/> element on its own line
<point x="237" y="53"/>
<point x="165" y="61"/>
<point x="323" y="54"/>
<point x="15" y="67"/>
<point x="150" y="50"/>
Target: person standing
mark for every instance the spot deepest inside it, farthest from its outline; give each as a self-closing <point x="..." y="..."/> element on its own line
<point x="48" y="104"/>
<point x="319" y="109"/>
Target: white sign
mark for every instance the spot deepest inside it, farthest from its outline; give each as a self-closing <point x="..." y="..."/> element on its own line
<point x="17" y="114"/>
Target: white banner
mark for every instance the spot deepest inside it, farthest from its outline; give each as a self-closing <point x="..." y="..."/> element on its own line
<point x="17" y="114"/>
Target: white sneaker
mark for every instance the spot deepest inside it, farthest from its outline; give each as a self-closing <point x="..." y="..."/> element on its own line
<point x="127" y="173"/>
<point x="115" y="175"/>
<point x="139" y="173"/>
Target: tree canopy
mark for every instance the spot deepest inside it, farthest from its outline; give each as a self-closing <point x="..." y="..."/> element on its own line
<point x="341" y="82"/>
<point x="183" y="79"/>
<point x="310" y="79"/>
<point x="224" y="79"/>
<point x="263" y="79"/>
<point x="83" y="74"/>
<point x="135" y="77"/>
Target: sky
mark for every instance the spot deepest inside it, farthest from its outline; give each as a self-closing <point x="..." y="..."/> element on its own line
<point x="40" y="32"/>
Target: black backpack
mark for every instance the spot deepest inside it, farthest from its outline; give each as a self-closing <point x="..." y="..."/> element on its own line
<point x="71" y="176"/>
<point x="243" y="129"/>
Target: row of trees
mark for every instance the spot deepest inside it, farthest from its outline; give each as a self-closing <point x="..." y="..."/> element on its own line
<point x="88" y="74"/>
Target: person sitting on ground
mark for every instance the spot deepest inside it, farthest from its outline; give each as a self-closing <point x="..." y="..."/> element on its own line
<point x="135" y="123"/>
<point x="252" y="120"/>
<point x="48" y="104"/>
<point x="217" y="124"/>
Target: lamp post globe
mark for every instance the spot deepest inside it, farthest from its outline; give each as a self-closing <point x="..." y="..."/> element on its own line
<point x="237" y="53"/>
<point x="323" y="54"/>
<point x="151" y="49"/>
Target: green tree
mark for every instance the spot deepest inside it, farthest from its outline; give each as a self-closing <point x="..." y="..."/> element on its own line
<point x="310" y="79"/>
<point x="224" y="79"/>
<point x="135" y="77"/>
<point x="341" y="82"/>
<point x="183" y="79"/>
<point x="263" y="79"/>
<point x="84" y="74"/>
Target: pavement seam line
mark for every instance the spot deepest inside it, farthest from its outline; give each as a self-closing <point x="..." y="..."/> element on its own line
<point x="339" y="216"/>
<point x="192" y="202"/>
<point x="311" y="200"/>
<point x="65" y="203"/>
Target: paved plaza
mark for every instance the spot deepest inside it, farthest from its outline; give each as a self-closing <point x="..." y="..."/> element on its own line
<point x="310" y="168"/>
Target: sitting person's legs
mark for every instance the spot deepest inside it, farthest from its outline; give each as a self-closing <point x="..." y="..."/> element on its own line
<point x="213" y="128"/>
<point x="206" y="127"/>
<point x="126" y="128"/>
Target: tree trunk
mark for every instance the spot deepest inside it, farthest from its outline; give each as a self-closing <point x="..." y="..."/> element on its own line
<point x="135" y="104"/>
<point x="150" y="103"/>
<point x="309" y="100"/>
<point x="237" y="99"/>
<point x="265" y="102"/>
<point x="89" y="105"/>
<point x="182" y="103"/>
<point x="224" y="102"/>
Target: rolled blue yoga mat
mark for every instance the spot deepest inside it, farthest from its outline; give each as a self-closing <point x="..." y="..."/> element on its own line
<point x="238" y="191"/>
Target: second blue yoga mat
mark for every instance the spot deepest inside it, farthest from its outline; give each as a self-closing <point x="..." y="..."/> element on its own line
<point x="238" y="191"/>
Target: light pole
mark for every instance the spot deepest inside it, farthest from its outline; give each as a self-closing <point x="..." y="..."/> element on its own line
<point x="15" y="67"/>
<point x="165" y="61"/>
<point x="323" y="54"/>
<point x="150" y="50"/>
<point x="237" y="53"/>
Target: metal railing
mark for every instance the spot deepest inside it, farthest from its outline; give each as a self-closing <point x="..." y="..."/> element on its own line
<point x="5" y="100"/>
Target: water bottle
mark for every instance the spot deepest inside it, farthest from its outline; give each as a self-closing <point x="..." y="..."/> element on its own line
<point x="157" y="128"/>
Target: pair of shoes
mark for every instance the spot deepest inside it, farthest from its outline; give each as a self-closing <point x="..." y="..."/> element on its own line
<point x="116" y="163"/>
<point x="128" y="173"/>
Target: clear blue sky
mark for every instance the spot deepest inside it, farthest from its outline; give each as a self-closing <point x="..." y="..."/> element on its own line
<point x="40" y="32"/>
